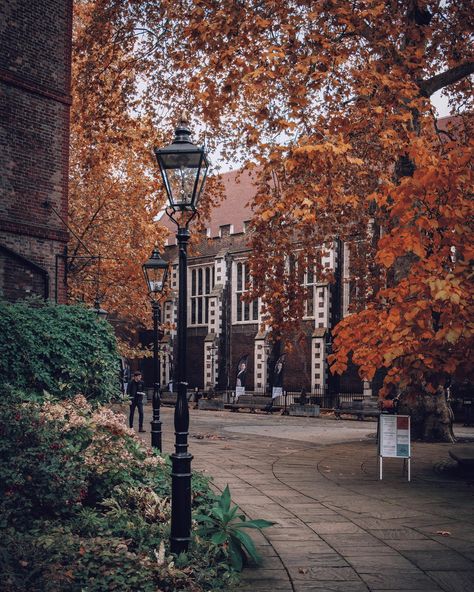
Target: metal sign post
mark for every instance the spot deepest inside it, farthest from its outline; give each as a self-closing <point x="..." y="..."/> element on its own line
<point x="394" y="440"/>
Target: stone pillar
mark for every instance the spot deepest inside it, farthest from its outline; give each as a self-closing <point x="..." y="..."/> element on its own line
<point x="260" y="363"/>
<point x="318" y="361"/>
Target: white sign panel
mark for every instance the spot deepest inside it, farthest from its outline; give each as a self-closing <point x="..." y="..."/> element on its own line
<point x="394" y="436"/>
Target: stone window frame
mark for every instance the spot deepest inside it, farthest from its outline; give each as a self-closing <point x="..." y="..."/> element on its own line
<point x="243" y="312"/>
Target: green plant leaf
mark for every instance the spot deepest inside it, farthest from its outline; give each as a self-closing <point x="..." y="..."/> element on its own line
<point x="248" y="545"/>
<point x="218" y="538"/>
<point x="224" y="500"/>
<point x="235" y="554"/>
<point x="257" y="523"/>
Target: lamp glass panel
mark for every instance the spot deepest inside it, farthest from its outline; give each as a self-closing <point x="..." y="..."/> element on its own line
<point x="184" y="176"/>
<point x="155" y="278"/>
<point x="181" y="183"/>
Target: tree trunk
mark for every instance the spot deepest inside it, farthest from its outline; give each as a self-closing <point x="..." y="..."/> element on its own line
<point x="431" y="416"/>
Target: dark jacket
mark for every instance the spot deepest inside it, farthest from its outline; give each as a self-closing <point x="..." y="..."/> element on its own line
<point x="135" y="387"/>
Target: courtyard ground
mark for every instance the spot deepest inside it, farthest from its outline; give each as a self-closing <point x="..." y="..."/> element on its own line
<point x="338" y="528"/>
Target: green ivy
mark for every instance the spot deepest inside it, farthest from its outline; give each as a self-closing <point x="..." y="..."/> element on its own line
<point x="63" y="350"/>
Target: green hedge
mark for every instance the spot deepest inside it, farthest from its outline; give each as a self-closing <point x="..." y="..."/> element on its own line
<point x="61" y="349"/>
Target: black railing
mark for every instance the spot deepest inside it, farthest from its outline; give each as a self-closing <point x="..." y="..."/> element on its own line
<point x="317" y="397"/>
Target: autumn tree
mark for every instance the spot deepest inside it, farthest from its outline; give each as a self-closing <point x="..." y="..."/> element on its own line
<point x="332" y="100"/>
<point x="115" y="191"/>
<point x="113" y="197"/>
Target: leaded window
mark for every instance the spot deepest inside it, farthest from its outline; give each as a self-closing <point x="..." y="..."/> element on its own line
<point x="202" y="284"/>
<point x="245" y="311"/>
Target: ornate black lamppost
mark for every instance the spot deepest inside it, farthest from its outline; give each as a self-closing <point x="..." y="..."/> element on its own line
<point x="183" y="167"/>
<point x="155" y="271"/>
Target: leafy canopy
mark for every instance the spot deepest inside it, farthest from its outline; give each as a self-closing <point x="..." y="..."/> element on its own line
<point x="332" y="101"/>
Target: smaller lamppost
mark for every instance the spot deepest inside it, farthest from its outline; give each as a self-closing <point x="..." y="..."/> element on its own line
<point x="213" y="348"/>
<point x="99" y="311"/>
<point x="155" y="271"/>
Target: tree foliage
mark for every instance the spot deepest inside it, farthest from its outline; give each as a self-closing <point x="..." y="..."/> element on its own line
<point x="113" y="192"/>
<point x="63" y="350"/>
<point x="332" y="101"/>
<point x="123" y="106"/>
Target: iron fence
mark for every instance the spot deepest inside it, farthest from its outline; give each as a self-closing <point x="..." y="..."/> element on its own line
<point x="316" y="397"/>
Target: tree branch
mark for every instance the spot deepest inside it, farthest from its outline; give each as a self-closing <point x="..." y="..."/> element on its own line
<point x="435" y="83"/>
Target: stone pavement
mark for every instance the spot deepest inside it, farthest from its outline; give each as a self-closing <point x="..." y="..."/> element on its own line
<point x="338" y="528"/>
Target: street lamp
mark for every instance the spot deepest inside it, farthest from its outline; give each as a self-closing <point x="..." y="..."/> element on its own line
<point x="99" y="311"/>
<point x="155" y="271"/>
<point x="183" y="167"/>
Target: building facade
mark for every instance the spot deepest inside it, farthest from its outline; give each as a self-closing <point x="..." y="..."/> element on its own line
<point x="222" y="327"/>
<point x="35" y="80"/>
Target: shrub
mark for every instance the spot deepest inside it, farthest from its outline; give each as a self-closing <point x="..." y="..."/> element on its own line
<point x="61" y="349"/>
<point x="85" y="506"/>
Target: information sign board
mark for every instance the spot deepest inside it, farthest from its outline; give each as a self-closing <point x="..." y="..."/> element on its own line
<point x="394" y="434"/>
<point x="394" y="438"/>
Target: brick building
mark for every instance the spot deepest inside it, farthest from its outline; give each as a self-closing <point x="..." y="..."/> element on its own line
<point x="35" y="79"/>
<point x="222" y="328"/>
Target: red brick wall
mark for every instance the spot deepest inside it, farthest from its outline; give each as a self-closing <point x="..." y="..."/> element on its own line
<point x="35" y="71"/>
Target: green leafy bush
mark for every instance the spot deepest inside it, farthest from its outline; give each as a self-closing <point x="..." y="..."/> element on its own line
<point x="63" y="350"/>
<point x="223" y="525"/>
<point x="85" y="506"/>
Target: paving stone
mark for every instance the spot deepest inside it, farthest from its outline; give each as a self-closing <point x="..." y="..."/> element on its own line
<point x="331" y="527"/>
<point x="321" y="574"/>
<point x="271" y="562"/>
<point x="439" y="560"/>
<point x="265" y="575"/>
<point x="311" y="510"/>
<point x="453" y="581"/>
<point x="291" y="534"/>
<point x="417" y="545"/>
<point x="374" y="562"/>
<point x="390" y="534"/>
<point x="329" y="586"/>
<point x="290" y="548"/>
<point x="351" y="540"/>
<point x="305" y="560"/>
<point x="398" y="580"/>
<point x="336" y="519"/>
<point x="262" y="586"/>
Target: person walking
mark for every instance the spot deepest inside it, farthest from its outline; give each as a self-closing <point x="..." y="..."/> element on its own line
<point x="136" y="391"/>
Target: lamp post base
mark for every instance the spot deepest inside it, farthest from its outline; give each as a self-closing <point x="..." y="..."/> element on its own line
<point x="156" y="421"/>
<point x="180" y="502"/>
